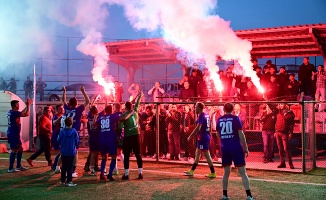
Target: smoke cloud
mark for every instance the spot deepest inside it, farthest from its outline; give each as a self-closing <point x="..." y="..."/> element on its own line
<point x="23" y="36"/>
<point x="26" y="33"/>
<point x="88" y="16"/>
<point x="189" y="25"/>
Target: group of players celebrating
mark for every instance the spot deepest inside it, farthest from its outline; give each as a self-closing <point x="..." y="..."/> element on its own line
<point x="109" y="132"/>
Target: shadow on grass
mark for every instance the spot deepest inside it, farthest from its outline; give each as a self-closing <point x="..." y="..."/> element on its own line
<point x="317" y="172"/>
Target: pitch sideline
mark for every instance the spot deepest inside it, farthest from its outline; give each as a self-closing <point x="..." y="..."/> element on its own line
<point x="202" y="175"/>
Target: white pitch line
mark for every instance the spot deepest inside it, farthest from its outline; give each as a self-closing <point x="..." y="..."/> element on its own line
<point x="239" y="178"/>
<point x="202" y="175"/>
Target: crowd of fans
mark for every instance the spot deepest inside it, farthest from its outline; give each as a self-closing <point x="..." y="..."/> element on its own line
<point x="278" y="84"/>
<point x="177" y="122"/>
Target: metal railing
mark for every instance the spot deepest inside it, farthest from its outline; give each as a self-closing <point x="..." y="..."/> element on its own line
<point x="307" y="145"/>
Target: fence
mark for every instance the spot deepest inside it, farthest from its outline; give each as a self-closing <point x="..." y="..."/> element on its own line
<point x="260" y="122"/>
<point x="165" y="126"/>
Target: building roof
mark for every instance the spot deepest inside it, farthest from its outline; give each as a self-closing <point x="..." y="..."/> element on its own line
<point x="280" y="42"/>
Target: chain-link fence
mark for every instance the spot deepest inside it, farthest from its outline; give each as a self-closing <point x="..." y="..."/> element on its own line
<point x="282" y="136"/>
<point x="287" y="136"/>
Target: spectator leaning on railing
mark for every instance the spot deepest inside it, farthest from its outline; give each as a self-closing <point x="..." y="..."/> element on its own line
<point x="3" y="84"/>
<point x="134" y="90"/>
<point x="12" y="86"/>
<point x="156" y="92"/>
<point x="186" y="93"/>
<point x="40" y="85"/>
<point x="273" y="88"/>
<point x="282" y="79"/>
<point x="293" y="88"/>
<point x="28" y="87"/>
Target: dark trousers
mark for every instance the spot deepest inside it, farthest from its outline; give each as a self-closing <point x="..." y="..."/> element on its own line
<point x="215" y="144"/>
<point x="41" y="92"/>
<point x="67" y="168"/>
<point x="150" y="142"/>
<point x="188" y="145"/>
<point x="163" y="142"/>
<point x="142" y="142"/>
<point x="174" y="143"/>
<point x="131" y="143"/>
<point x="45" y="146"/>
<point x="268" y="140"/>
<point x="28" y="94"/>
<point x="283" y="146"/>
<point x="88" y="160"/>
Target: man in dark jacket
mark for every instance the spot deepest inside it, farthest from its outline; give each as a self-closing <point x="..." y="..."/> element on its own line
<point x="284" y="129"/>
<point x="173" y="120"/>
<point x="149" y="120"/>
<point x="282" y="79"/>
<point x="28" y="87"/>
<point x="293" y="88"/>
<point x="163" y="133"/>
<point x="273" y="88"/>
<point x="305" y="78"/>
<point x="40" y="85"/>
<point x="188" y="124"/>
<point x="268" y="119"/>
<point x="186" y="93"/>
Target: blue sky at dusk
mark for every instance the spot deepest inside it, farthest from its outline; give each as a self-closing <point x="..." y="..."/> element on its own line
<point x="248" y="14"/>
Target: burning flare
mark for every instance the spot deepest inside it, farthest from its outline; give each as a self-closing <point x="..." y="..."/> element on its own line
<point x="91" y="45"/>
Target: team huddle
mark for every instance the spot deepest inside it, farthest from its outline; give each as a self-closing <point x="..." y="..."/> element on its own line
<point x="112" y="132"/>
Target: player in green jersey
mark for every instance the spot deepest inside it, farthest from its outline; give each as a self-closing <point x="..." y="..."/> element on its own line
<point x="129" y="121"/>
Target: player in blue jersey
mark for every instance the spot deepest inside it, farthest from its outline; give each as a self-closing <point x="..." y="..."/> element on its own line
<point x="234" y="148"/>
<point x="75" y="112"/>
<point x="94" y="138"/>
<point x="13" y="134"/>
<point x="117" y="113"/>
<point x="203" y="140"/>
<point x="108" y="125"/>
<point x="58" y="122"/>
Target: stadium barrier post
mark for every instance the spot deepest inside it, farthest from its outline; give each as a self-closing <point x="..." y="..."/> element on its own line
<point x="313" y="137"/>
<point x="157" y="131"/>
<point x="303" y="136"/>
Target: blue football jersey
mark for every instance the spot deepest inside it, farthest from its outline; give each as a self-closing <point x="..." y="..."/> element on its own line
<point x="75" y="114"/>
<point x="204" y="121"/>
<point x="14" y="125"/>
<point x="107" y="125"/>
<point x="228" y="126"/>
<point x="56" y="128"/>
<point x="91" y="128"/>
